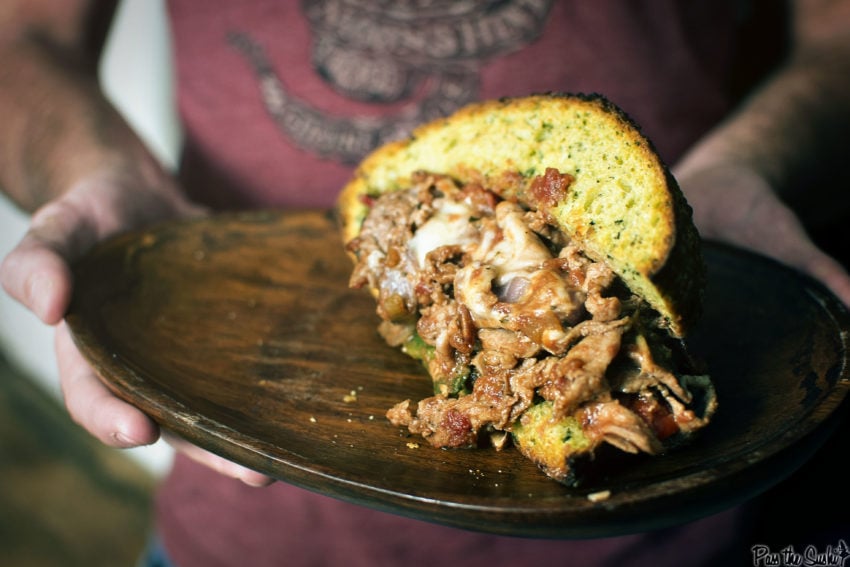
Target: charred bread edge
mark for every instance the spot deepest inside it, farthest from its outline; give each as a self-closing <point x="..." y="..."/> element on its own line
<point x="671" y="277"/>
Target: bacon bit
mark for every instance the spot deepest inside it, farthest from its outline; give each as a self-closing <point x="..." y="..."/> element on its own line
<point x="463" y="339"/>
<point x="458" y="429"/>
<point x="550" y="188"/>
<point x="656" y="415"/>
<point x="367" y="200"/>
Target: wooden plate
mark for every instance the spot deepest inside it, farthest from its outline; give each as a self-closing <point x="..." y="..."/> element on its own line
<point x="239" y="333"/>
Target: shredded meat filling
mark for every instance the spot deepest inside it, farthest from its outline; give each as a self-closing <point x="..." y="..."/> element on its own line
<point x="510" y="313"/>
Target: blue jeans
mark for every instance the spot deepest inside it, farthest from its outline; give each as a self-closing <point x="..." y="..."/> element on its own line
<point x="154" y="555"/>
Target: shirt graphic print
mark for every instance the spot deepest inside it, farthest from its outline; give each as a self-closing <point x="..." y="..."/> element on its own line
<point x="423" y="56"/>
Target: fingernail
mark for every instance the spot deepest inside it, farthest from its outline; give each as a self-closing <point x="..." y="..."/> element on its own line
<point x="125" y="441"/>
<point x="40" y="291"/>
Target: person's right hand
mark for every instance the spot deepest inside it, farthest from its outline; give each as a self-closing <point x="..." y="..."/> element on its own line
<point x="37" y="273"/>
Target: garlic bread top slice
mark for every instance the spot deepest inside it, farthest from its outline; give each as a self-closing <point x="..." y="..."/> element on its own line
<point x="622" y="205"/>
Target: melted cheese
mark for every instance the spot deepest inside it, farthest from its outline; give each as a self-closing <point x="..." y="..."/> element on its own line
<point x="518" y="251"/>
<point x="510" y="251"/>
<point x="449" y="226"/>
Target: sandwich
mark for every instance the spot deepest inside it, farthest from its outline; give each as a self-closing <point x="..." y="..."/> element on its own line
<point x="538" y="257"/>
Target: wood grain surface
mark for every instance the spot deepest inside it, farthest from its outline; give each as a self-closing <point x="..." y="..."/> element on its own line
<point x="239" y="333"/>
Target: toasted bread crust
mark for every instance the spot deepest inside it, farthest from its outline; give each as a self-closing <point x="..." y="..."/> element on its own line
<point x="623" y="206"/>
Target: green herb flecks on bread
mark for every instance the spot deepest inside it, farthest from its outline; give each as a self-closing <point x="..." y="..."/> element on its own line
<point x="538" y="258"/>
<point x="623" y="207"/>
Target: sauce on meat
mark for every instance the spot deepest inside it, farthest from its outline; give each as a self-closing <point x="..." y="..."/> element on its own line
<point x="505" y="312"/>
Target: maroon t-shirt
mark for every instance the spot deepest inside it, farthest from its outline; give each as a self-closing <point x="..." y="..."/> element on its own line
<point x="281" y="99"/>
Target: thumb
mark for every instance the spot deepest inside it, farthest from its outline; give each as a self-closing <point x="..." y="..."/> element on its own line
<point x="36" y="272"/>
<point x="775" y="230"/>
<point x="830" y="272"/>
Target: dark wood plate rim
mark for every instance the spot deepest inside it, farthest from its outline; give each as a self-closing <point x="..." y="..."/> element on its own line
<point x="564" y="513"/>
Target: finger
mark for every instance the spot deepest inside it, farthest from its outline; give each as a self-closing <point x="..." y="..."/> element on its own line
<point x="36" y="271"/>
<point x="792" y="246"/>
<point x="216" y="463"/>
<point x="831" y="273"/>
<point x="90" y="403"/>
<point x="789" y="242"/>
<point x="38" y="278"/>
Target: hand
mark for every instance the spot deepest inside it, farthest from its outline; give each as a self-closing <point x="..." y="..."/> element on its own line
<point x="737" y="206"/>
<point x="37" y="273"/>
